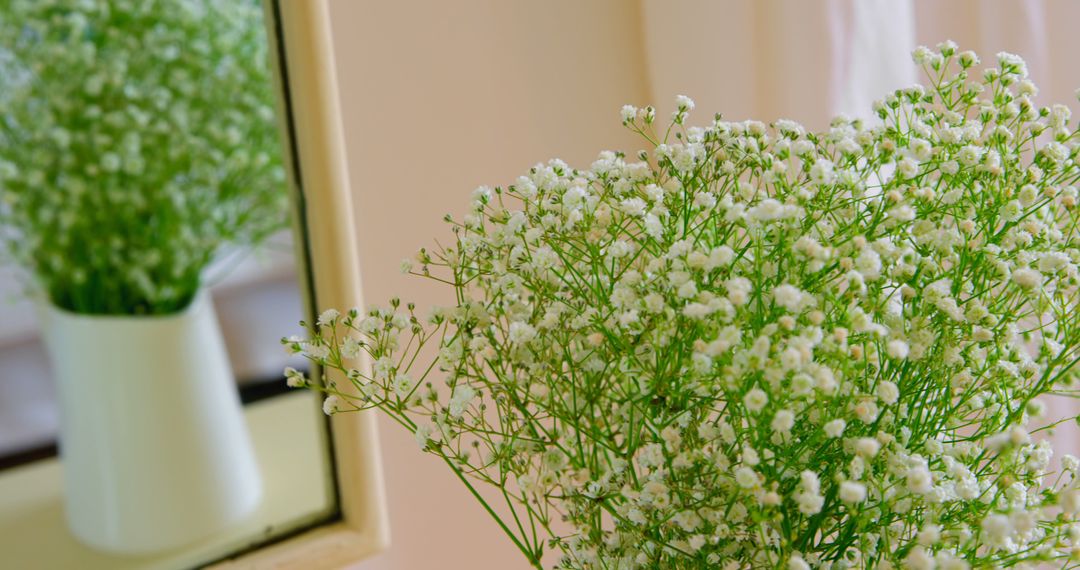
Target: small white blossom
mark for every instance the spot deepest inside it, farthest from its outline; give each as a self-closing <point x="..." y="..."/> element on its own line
<point x="767" y="210"/>
<point x="328" y="317"/>
<point x="788" y="297"/>
<point x="332" y="404"/>
<point x="920" y="559"/>
<point x="521" y="333"/>
<point x="783" y="421"/>
<point x="852" y="492"/>
<point x="888" y="391"/>
<point x="835" y="428"/>
<point x="1027" y="278"/>
<point x="755" y="400"/>
<point x="746" y="477"/>
<point x="294" y="378"/>
<point x="897" y="349"/>
<point x="797" y="563"/>
<point x="919" y="480"/>
<point x="867" y="446"/>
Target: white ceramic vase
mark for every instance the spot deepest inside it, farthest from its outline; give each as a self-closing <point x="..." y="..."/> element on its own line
<point x="153" y="443"/>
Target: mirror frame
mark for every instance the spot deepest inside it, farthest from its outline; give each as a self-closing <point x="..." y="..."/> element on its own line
<point x="302" y="55"/>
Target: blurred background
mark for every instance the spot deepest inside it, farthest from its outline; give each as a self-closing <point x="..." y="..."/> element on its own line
<point x="441" y="97"/>
<point x="140" y="164"/>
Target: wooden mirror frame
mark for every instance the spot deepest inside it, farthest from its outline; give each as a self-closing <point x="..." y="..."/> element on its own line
<point x="301" y="47"/>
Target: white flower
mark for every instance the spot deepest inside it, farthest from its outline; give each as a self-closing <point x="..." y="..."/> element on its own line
<point x="350" y="347"/>
<point x="628" y="113"/>
<point x="460" y="400"/>
<point x="697" y="310"/>
<point x="422" y="435"/>
<point x="997" y="528"/>
<point x="783" y="421"/>
<point x="767" y="210"/>
<point x="704" y="200"/>
<point x="482" y="195"/>
<point x="866" y="411"/>
<point x="897" y="349"/>
<point x="821" y="172"/>
<point x="332" y="405"/>
<point x="1027" y="278"/>
<point x="1019" y="436"/>
<point x="907" y="168"/>
<point x="797" y="563"/>
<point x="327" y="317"/>
<point x="684" y="103"/>
<point x="738" y="290"/>
<point x="852" y="492"/>
<point x="868" y="264"/>
<point x="655" y="303"/>
<point x="370" y="324"/>
<point x="1012" y="211"/>
<point x="521" y="333"/>
<point x="921" y="55"/>
<point x="1013" y="62"/>
<point x="810" y="503"/>
<point x="930" y="535"/>
<point x="970" y="155"/>
<point x="687" y="290"/>
<point x="888" y="391"/>
<point x="835" y="428"/>
<point x="633" y="207"/>
<point x="919" y="480"/>
<point x="316" y="351"/>
<point x="919" y="559"/>
<point x="755" y="399"/>
<point x="403" y="385"/>
<point x="1069" y="462"/>
<point x="294" y="378"/>
<point x="745" y="477"/>
<point x="788" y="297"/>
<point x="867" y="446"/>
<point x="1053" y="261"/>
<point x="720" y="257"/>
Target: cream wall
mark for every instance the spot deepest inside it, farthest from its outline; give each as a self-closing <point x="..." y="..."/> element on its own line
<point x="442" y="96"/>
<point x="438" y="98"/>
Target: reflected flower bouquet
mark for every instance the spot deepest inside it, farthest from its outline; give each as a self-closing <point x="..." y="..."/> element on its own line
<point x="757" y="346"/>
<point x="137" y="138"/>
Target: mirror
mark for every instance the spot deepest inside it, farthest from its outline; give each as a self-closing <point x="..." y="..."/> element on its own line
<point x="148" y="272"/>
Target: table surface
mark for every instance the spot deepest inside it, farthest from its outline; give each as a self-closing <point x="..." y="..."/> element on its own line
<point x="289" y="434"/>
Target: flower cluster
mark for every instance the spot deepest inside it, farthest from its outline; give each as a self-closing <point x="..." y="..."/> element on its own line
<point x="761" y="347"/>
<point x="136" y="139"/>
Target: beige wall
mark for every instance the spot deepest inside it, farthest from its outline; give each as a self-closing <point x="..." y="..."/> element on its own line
<point x="438" y="98"/>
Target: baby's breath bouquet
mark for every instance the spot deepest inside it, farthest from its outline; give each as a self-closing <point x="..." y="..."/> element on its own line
<point x="757" y="346"/>
<point x="137" y="138"/>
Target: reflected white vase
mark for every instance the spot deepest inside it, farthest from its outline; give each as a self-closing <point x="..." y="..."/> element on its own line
<point x="153" y="443"/>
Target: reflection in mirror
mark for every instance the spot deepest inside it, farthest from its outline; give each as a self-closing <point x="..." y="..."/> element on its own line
<point x="147" y="276"/>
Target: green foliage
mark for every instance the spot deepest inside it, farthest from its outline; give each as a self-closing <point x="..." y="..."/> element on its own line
<point x="137" y="138"/>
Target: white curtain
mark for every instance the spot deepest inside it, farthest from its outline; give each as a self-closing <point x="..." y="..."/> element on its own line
<point x="809" y="60"/>
<point x="440" y="97"/>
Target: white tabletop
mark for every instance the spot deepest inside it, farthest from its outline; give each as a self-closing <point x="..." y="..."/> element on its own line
<point x="290" y="441"/>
